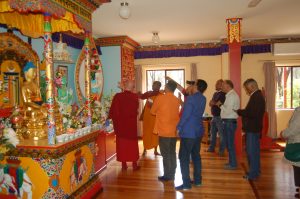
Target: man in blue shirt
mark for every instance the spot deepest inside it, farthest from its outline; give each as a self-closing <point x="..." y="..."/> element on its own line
<point x="190" y="129"/>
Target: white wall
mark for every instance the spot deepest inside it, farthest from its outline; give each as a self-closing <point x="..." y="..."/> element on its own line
<point x="212" y="68"/>
<point x="283" y="117"/>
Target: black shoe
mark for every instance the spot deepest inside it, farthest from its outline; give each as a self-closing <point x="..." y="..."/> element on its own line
<point x="246" y="177"/>
<point x="164" y="179"/>
<point x="297" y="195"/>
<point x="182" y="188"/>
<point x="210" y="150"/>
<point x="196" y="184"/>
<point x="228" y="167"/>
<point x="297" y="189"/>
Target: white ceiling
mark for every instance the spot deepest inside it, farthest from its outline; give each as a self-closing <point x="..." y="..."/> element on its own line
<point x="185" y="21"/>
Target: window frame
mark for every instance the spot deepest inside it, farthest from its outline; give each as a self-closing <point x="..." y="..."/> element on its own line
<point x="291" y="90"/>
<point x="165" y="71"/>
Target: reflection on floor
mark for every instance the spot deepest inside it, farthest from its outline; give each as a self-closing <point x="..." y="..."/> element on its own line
<point x="275" y="182"/>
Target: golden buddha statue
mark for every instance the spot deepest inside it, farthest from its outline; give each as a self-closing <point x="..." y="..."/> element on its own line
<point x="35" y="112"/>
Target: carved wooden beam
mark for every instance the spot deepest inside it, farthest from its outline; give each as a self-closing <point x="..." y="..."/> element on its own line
<point x="117" y="41"/>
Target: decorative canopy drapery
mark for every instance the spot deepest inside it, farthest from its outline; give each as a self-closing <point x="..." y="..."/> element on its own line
<point x="67" y="15"/>
<point x="70" y="40"/>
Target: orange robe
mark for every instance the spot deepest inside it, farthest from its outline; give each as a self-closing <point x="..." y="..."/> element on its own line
<point x="123" y="112"/>
<point x="150" y="140"/>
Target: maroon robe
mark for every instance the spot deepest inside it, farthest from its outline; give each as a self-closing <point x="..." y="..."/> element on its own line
<point x="123" y="112"/>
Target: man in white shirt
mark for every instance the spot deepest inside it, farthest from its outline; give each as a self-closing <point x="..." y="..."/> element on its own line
<point x="229" y="116"/>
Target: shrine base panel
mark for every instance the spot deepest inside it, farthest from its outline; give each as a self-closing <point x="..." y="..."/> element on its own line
<point x="59" y="171"/>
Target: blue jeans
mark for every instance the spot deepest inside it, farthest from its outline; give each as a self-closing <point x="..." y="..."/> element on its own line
<point x="216" y="125"/>
<point x="190" y="147"/>
<point x="253" y="154"/>
<point x="229" y="134"/>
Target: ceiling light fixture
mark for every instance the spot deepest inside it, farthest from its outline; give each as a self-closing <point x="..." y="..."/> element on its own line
<point x="155" y="38"/>
<point x="253" y="3"/>
<point x="124" y="10"/>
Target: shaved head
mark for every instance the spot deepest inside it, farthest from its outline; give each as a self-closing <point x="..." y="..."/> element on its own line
<point x="129" y="85"/>
<point x="156" y="86"/>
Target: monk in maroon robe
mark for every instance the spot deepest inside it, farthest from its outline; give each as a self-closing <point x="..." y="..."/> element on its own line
<point x="123" y="112"/>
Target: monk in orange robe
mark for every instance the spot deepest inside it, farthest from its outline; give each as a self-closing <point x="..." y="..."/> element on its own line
<point x="150" y="140"/>
<point x="123" y="112"/>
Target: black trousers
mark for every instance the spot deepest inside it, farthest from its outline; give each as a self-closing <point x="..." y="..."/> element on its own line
<point x="297" y="176"/>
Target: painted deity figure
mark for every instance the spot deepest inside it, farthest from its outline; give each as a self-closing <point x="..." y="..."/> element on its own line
<point x="14" y="179"/>
<point x="64" y="94"/>
<point x="78" y="170"/>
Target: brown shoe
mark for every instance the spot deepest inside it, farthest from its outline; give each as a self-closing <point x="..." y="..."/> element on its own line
<point x="124" y="166"/>
<point x="144" y="152"/>
<point x="135" y="168"/>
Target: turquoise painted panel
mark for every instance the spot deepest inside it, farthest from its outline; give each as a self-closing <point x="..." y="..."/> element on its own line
<point x="111" y="62"/>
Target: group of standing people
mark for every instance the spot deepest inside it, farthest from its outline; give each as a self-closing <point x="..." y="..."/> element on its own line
<point x="162" y="125"/>
<point x="225" y="108"/>
<point x="163" y="122"/>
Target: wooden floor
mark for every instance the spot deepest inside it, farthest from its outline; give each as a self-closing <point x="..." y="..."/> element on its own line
<point x="276" y="181"/>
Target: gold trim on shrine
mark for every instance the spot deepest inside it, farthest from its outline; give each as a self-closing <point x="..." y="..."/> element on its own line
<point x="75" y="8"/>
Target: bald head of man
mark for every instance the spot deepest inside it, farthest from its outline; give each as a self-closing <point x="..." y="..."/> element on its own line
<point x="219" y="84"/>
<point x="129" y="85"/>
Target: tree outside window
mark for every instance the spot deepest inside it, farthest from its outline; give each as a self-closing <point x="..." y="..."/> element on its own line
<point x="160" y="75"/>
<point x="288" y="87"/>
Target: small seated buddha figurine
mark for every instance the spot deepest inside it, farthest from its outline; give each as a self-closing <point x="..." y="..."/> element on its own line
<point x="35" y="112"/>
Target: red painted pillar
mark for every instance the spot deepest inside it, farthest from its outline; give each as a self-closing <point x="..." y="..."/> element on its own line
<point x="234" y="44"/>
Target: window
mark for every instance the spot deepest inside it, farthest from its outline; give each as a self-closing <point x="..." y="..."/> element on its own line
<point x="160" y="75"/>
<point x="288" y="87"/>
